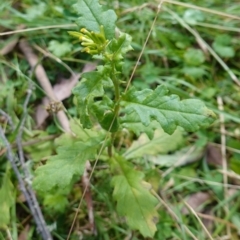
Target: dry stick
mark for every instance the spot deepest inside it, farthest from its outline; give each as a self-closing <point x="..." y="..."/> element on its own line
<point x="172" y="213"/>
<point x="202" y="181"/>
<point x="31" y="142"/>
<point x="38" y="28"/>
<point x="102" y="146"/>
<point x="9" y="234"/>
<point x="63" y="119"/>
<point x="144" y="45"/>
<point x="216" y="219"/>
<point x="224" y="158"/>
<point x="88" y="198"/>
<point x="199" y="220"/>
<point x="203" y="9"/>
<point x="214" y="26"/>
<point x="204" y="45"/>
<point x="37" y="210"/>
<point x="9" y="119"/>
<point x="13" y="161"/>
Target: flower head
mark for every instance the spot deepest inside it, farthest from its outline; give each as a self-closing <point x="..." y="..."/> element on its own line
<point x="93" y="43"/>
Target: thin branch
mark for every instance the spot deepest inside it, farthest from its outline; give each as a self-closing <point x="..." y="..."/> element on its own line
<point x="199" y="220"/>
<point x="38" y="28"/>
<point x="173" y="214"/>
<point x="209" y="10"/>
<point x="144" y="45"/>
<point x="41" y="227"/>
<point x="224" y="158"/>
<point x="9" y="119"/>
<point x="27" y="174"/>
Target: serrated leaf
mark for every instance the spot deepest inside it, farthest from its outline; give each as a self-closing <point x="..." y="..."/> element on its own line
<point x="169" y="111"/>
<point x="133" y="123"/>
<point x="161" y="143"/>
<point x="60" y="170"/>
<point x="92" y="16"/>
<point x="134" y="200"/>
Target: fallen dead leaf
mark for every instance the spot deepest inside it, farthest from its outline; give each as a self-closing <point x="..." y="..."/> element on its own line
<point x="62" y="90"/>
<point x="195" y="201"/>
<point x="214" y="156"/>
<point x="24" y="233"/>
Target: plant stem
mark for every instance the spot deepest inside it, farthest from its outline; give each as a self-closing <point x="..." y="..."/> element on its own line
<point x="117" y="106"/>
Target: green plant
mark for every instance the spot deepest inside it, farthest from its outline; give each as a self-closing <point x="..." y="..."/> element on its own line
<point x="101" y="100"/>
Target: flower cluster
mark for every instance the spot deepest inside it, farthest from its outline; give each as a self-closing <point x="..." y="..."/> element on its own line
<point x="93" y="43"/>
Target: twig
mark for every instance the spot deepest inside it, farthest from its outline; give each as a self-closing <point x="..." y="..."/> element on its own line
<point x="224" y="158"/>
<point x="202" y="181"/>
<point x="199" y="220"/>
<point x="13" y="159"/>
<point x="38" y="28"/>
<point x="27" y="174"/>
<point x="209" y="10"/>
<point x="88" y="198"/>
<point x="31" y="142"/>
<point x="173" y="214"/>
<point x="216" y="219"/>
<point x="144" y="45"/>
<point x="9" y="119"/>
<point x="9" y="234"/>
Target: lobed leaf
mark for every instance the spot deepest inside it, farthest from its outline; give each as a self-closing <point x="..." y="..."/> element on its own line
<point x="61" y="169"/>
<point x="161" y="143"/>
<point x="134" y="200"/>
<point x="133" y="123"/>
<point x="92" y="16"/>
<point x="169" y="111"/>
